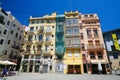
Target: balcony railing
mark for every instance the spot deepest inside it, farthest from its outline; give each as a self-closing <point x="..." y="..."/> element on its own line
<point x="46" y="52"/>
<point x="48" y="32"/>
<point x="71" y="25"/>
<point x="72" y="34"/>
<point x="73" y="45"/>
<point x="100" y="46"/>
<point x="16" y="47"/>
<point x="48" y="42"/>
<point x="89" y="18"/>
<point x="40" y="42"/>
<point x="41" y="31"/>
<point x="30" y="32"/>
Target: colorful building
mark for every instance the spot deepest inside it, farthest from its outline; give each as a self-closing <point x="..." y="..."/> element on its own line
<point x="70" y="43"/>
<point x="92" y="44"/>
<point x="112" y="43"/>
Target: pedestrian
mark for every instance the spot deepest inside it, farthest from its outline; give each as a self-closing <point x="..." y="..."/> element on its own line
<point x="115" y="69"/>
<point x="4" y="73"/>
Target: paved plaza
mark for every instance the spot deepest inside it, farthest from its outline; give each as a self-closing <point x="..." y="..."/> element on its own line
<point x="48" y="76"/>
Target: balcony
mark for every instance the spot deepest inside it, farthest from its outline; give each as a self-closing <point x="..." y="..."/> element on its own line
<point x="41" y="31"/>
<point x="40" y="42"/>
<point x="60" y="23"/>
<point x="72" y="45"/>
<point x="71" y="25"/>
<point x="48" y="32"/>
<point x="30" y="32"/>
<point x="72" y="34"/>
<point x="29" y="42"/>
<point x="27" y="51"/>
<point x="90" y="18"/>
<point x="46" y="53"/>
<point x="94" y="47"/>
<point x="60" y="29"/>
<point x="48" y="42"/>
<point x="15" y="47"/>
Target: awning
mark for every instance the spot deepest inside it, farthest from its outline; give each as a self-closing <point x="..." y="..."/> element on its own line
<point x="96" y="61"/>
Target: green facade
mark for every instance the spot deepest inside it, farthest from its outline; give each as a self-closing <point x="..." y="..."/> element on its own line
<point x="60" y="38"/>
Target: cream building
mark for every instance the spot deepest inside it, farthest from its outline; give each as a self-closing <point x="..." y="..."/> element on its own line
<point x="11" y="36"/>
<point x="39" y="49"/>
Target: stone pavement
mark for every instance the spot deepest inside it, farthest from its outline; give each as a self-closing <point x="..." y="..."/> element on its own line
<point x="48" y="76"/>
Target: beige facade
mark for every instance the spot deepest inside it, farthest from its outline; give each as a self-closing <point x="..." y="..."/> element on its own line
<point x="39" y="49"/>
<point x="11" y="36"/>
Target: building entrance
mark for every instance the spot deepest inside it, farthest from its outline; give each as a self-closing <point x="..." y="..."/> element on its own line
<point x="74" y="69"/>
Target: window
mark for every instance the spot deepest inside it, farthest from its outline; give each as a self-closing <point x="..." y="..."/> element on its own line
<point x="115" y="55"/>
<point x="32" y="22"/>
<point x="113" y="48"/>
<point x="8" y="23"/>
<point x="81" y="36"/>
<point x="97" y="42"/>
<point x="48" y="38"/>
<point x="39" y="47"/>
<point x="42" y="21"/>
<point x="5" y="31"/>
<point x="77" y="54"/>
<point x="2" y="20"/>
<point x="85" y="15"/>
<point x="1" y="41"/>
<point x="11" y="54"/>
<point x="95" y="32"/>
<point x="53" y="27"/>
<point x="89" y="32"/>
<point x="100" y="55"/>
<point x="46" y="47"/>
<point x="5" y="52"/>
<point x="69" y="54"/>
<point x="8" y="41"/>
<point x="40" y="37"/>
<point x="14" y="25"/>
<point x="16" y="35"/>
<point x="48" y="29"/>
<point x="37" y="57"/>
<point x="29" y="38"/>
<point x="32" y="29"/>
<point x="36" y="27"/>
<point x="12" y="32"/>
<point x="26" y="56"/>
<point x="83" y="47"/>
<point x="90" y="42"/>
<point x="91" y="15"/>
<point x="92" y="55"/>
<point x="20" y="37"/>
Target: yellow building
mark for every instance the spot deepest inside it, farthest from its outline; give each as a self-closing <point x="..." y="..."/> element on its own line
<point x="73" y="55"/>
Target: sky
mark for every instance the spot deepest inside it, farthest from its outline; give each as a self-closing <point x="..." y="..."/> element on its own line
<point x="107" y="10"/>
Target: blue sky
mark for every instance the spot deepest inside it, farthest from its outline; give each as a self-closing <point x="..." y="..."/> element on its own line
<point x="107" y="10"/>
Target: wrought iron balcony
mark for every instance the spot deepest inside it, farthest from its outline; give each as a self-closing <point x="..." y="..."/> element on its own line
<point x="92" y="47"/>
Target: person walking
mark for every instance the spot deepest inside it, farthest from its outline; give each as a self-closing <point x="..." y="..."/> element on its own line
<point x="115" y="69"/>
